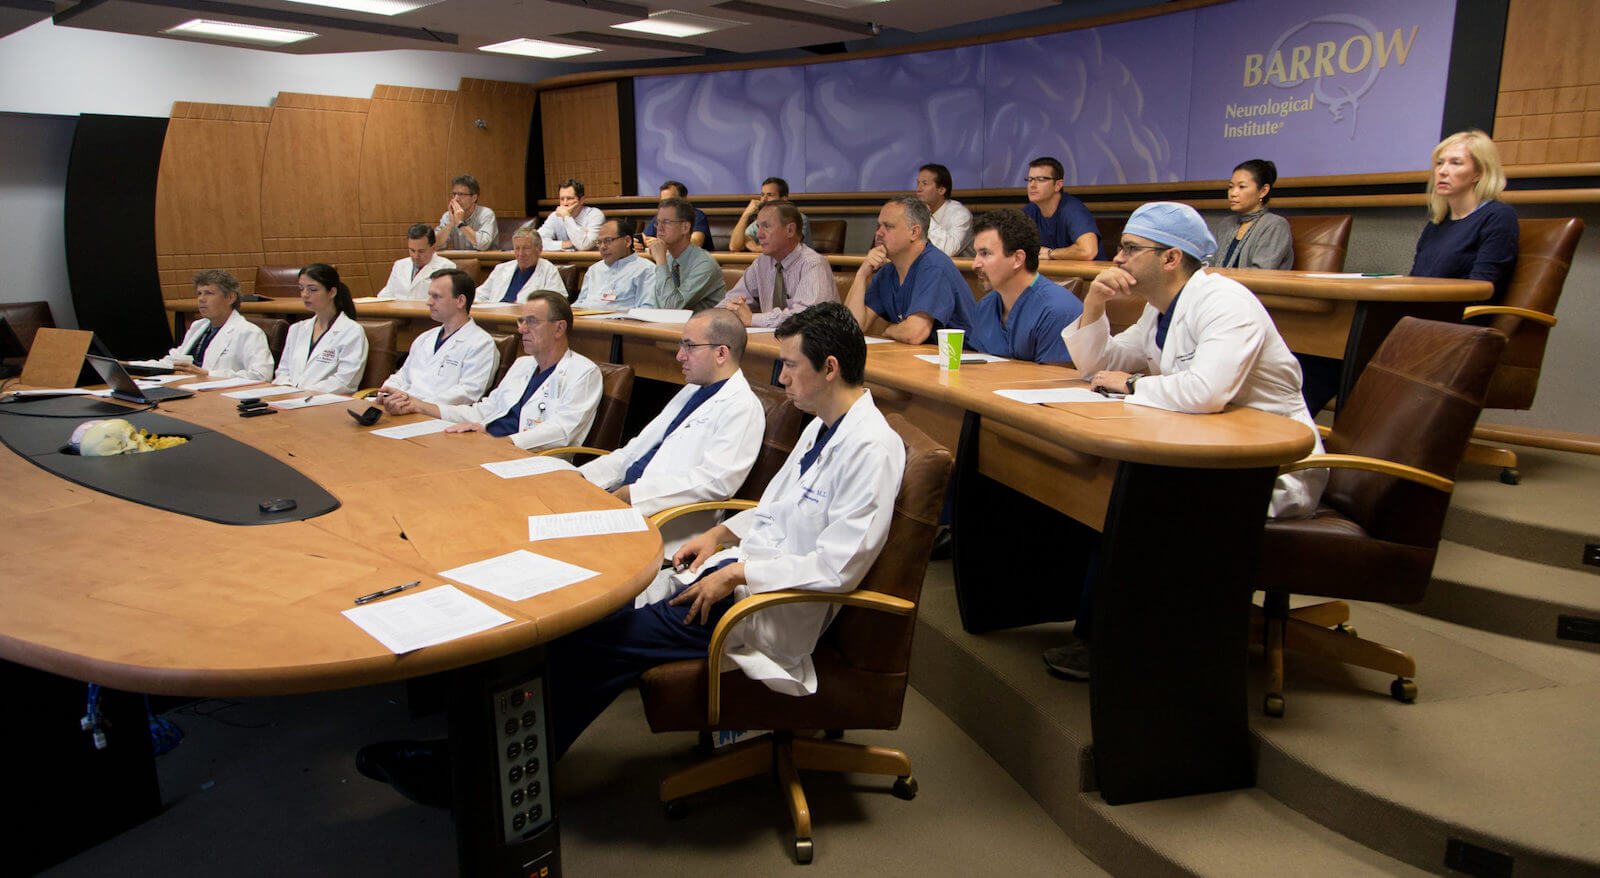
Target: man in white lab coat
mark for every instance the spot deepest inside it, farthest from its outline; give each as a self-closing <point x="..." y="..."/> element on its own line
<point x="820" y="524"/>
<point x="547" y="399"/>
<point x="409" y="278"/>
<point x="1204" y="342"/>
<point x="222" y="343"/>
<point x="702" y="445"/>
<point x="451" y="364"/>
<point x="513" y="280"/>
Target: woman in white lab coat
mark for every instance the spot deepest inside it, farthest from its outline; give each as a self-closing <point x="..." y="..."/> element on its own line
<point x="237" y="349"/>
<point x="327" y="353"/>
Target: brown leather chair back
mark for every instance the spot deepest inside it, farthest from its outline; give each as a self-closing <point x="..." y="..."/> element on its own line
<point x="879" y="642"/>
<point x="721" y="231"/>
<point x="1110" y="228"/>
<point x="473" y="268"/>
<point x="27" y="318"/>
<point x="616" y="391"/>
<point x="1415" y="404"/>
<point x="827" y="236"/>
<point x="572" y="278"/>
<point x="383" y="336"/>
<point x="1544" y="254"/>
<point x="784" y="423"/>
<point x="277" y="330"/>
<point x="731" y="275"/>
<point x="509" y="346"/>
<point x="843" y="282"/>
<point x="1320" y="242"/>
<point x="505" y="227"/>
<point x="278" y="281"/>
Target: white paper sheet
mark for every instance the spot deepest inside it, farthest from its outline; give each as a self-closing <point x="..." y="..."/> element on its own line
<point x="428" y="618"/>
<point x="660" y="315"/>
<point x="584" y="524"/>
<point x="262" y="392"/>
<point x="1056" y="394"/>
<point x="163" y="363"/>
<point x="367" y="300"/>
<point x="528" y="466"/>
<point x="220" y="383"/>
<point x="406" y="431"/>
<point x="319" y="399"/>
<point x="755" y="329"/>
<point x="519" y="575"/>
<point x="873" y="339"/>
<point x="967" y="358"/>
<point x="609" y="315"/>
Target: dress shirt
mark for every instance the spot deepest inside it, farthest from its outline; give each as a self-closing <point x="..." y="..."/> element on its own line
<point x="692" y="280"/>
<point x="479" y="232"/>
<point x="807" y="278"/>
<point x="582" y="230"/>
<point x="951" y="229"/>
<point x="622" y="284"/>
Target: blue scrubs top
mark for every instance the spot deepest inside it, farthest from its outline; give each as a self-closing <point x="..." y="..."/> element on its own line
<point x="1072" y="220"/>
<point x="933" y="285"/>
<point x="1032" y="331"/>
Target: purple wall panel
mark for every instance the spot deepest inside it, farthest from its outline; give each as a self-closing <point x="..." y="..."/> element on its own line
<point x="721" y="133"/>
<point x="871" y="123"/>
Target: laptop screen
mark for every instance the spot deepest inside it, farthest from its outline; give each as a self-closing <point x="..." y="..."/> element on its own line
<point x="112" y="373"/>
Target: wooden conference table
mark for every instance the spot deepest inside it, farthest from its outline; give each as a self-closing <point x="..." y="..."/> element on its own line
<point x="129" y="596"/>
<point x="1167" y="508"/>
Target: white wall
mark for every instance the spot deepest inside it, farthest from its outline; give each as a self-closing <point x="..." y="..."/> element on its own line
<point x="33" y="179"/>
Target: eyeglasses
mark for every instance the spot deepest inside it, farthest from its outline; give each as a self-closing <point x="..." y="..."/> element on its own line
<point x="607" y="242"/>
<point x="463" y="194"/>
<point x="534" y="322"/>
<point x="685" y="345"/>
<point x="662" y="222"/>
<point x="1041" y="179"/>
<point x="1130" y="249"/>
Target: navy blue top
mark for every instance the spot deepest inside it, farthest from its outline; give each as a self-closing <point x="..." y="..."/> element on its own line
<point x="933" y="286"/>
<point x="1480" y="246"/>
<point x="1071" y="221"/>
<point x="519" y="276"/>
<point x="1032" y="331"/>
<point x="705" y="392"/>
<point x="823" y="435"/>
<point x="701" y="225"/>
<point x="507" y="423"/>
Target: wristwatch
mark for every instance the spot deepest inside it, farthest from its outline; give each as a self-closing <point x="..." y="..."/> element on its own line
<point x="1132" y="378"/>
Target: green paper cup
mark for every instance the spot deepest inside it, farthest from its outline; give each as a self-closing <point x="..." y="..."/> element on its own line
<point x="950" y="344"/>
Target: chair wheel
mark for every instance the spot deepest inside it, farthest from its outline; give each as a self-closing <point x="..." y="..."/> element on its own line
<point x="1510" y="476"/>
<point x="1272" y="705"/>
<point x="905" y="787"/>
<point x="1345" y="628"/>
<point x="1403" y="690"/>
<point x="677" y="809"/>
<point x="833" y="734"/>
<point x="802" y="851"/>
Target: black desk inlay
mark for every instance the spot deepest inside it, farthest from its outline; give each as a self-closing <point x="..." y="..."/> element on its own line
<point x="212" y="476"/>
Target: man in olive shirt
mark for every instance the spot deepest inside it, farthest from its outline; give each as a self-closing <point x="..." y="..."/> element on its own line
<point x="685" y="275"/>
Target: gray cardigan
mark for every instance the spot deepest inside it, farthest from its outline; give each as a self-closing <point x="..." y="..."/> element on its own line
<point x="1267" y="244"/>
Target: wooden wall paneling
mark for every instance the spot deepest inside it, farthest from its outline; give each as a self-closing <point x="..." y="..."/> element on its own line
<point x="496" y="154"/>
<point x="582" y="138"/>
<point x="403" y="172"/>
<point x="208" y="193"/>
<point x="310" y="186"/>
<point x="1548" y="109"/>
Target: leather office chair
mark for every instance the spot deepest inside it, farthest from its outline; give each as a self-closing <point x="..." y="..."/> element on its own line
<point x="509" y="345"/>
<point x="382" y="339"/>
<point x="277" y="330"/>
<point x="1110" y="228"/>
<point x="605" y="434"/>
<point x="721" y="231"/>
<point x="278" y="281"/>
<point x="731" y="275"/>
<point x="26" y="319"/>
<point x="473" y="268"/>
<point x="1320" y="242"/>
<point x="1526" y="315"/>
<point x="1394" y="450"/>
<point x="505" y="227"/>
<point x="572" y="278"/>
<point x="861" y="664"/>
<point x="827" y="236"/>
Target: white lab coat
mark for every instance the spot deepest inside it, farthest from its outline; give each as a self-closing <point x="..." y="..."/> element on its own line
<point x="1222" y="349"/>
<point x="818" y="532"/>
<point x="457" y="373"/>
<point x="239" y="349"/>
<point x="706" y="458"/>
<point x="545" y="277"/>
<point x="559" y="413"/>
<point x="403" y="286"/>
<point x="333" y="366"/>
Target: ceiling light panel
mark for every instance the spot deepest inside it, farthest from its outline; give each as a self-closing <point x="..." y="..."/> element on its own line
<point x="847" y="4"/>
<point x="537" y="48"/>
<point x="242" y="33"/>
<point x="375" y="7"/>
<point x="672" y="23"/>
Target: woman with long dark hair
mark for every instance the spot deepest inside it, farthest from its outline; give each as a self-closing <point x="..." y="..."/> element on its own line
<point x="328" y="352"/>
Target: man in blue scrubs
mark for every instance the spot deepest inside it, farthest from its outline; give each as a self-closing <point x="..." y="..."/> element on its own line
<point x="907" y="288"/>
<point x="1067" y="229"/>
<point x="1023" y="314"/>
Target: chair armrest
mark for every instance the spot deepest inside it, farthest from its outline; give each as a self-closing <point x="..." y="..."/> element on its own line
<point x="1494" y="310"/>
<point x="572" y="449"/>
<point x="1374" y="465"/>
<point x="1324" y="431"/>
<point x="863" y="598"/>
<point x="666" y="515"/>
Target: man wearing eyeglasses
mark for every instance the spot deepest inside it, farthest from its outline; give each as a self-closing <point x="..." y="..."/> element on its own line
<point x="1204" y="342"/>
<point x="685" y="275"/>
<point x="702" y="445"/>
<point x="547" y="399"/>
<point x="621" y="279"/>
<point x="1067" y="229"/>
<point x="699" y="231"/>
<point x="1022" y="315"/>
<point x="466" y="224"/>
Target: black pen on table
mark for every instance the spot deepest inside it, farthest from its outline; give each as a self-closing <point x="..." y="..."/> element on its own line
<point x="369" y="598"/>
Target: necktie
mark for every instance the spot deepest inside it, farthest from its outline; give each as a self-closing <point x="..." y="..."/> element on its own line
<point x="780" y="290"/>
<point x="198" y="352"/>
<point x="677" y="276"/>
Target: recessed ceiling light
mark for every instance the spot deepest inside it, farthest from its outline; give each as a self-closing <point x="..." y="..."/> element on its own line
<point x="672" y="23"/>
<point x="846" y="4"/>
<point x="376" y="7"/>
<point x="537" y="48"/>
<point x="244" y="33"/>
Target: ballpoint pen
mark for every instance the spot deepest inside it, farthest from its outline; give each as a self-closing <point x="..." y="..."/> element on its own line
<point x="368" y="598"/>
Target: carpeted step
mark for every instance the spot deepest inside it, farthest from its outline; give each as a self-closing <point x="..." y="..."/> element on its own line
<point x="1494" y="592"/>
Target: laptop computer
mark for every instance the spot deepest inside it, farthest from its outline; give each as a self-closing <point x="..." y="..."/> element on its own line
<point x="123" y="386"/>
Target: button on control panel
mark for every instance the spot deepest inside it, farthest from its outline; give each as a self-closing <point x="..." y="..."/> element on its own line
<point x="522" y="759"/>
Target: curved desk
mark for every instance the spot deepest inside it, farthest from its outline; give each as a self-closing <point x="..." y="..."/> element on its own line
<point x="113" y="592"/>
